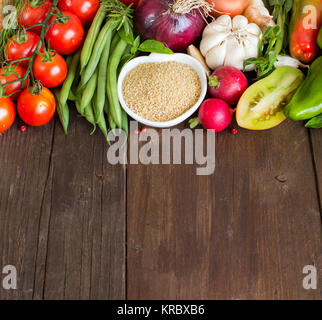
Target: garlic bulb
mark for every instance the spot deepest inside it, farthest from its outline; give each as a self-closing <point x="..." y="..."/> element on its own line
<point x="289" y="61"/>
<point x="229" y="42"/>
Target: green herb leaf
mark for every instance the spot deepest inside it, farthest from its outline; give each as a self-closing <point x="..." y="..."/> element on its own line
<point x="127" y="37"/>
<point x="315" y="122"/>
<point x="154" y="46"/>
<point x="136" y="42"/>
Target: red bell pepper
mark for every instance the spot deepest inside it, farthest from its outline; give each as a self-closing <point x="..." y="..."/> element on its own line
<point x="304" y="28"/>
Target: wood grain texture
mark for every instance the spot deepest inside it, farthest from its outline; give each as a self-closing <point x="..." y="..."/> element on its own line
<point x="245" y="232"/>
<point x="78" y="251"/>
<point x="316" y="140"/>
<point x="24" y="163"/>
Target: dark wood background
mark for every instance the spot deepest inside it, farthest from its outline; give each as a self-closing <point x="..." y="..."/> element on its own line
<point x="78" y="228"/>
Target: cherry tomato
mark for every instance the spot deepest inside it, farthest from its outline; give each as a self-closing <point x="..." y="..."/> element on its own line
<point x="36" y="109"/>
<point x="21" y="46"/>
<point x="7" y="114"/>
<point x="34" y="13"/>
<point x="51" y="73"/>
<point x="85" y="10"/>
<point x="66" y="38"/>
<point x="8" y="74"/>
<point x="128" y="2"/>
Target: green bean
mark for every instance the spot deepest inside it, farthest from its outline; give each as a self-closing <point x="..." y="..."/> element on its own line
<point x="62" y="110"/>
<point x="101" y="123"/>
<point x="101" y="80"/>
<point x="109" y="117"/>
<point x="114" y="42"/>
<point x="69" y="60"/>
<point x="91" y="37"/>
<point x="88" y="114"/>
<point x="71" y="96"/>
<point x="88" y="91"/>
<point x="100" y="43"/>
<point x="125" y="124"/>
<point x="112" y="94"/>
<point x="67" y="85"/>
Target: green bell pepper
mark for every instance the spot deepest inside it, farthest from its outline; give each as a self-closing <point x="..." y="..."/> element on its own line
<point x="315" y="122"/>
<point x="307" y="101"/>
<point x="320" y="38"/>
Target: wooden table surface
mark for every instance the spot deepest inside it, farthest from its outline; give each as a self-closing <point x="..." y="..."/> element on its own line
<point x="77" y="227"/>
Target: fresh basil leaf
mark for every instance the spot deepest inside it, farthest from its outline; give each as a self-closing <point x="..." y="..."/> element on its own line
<point x="127" y="37"/>
<point x="315" y="122"/>
<point x="154" y="46"/>
<point x="136" y="42"/>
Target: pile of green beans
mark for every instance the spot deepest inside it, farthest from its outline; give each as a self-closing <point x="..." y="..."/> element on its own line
<point x="91" y="82"/>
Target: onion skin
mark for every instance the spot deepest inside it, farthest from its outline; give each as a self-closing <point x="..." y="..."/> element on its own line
<point x="154" y="19"/>
<point x="231" y="7"/>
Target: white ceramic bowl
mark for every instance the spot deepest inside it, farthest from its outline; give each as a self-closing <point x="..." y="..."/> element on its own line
<point x="154" y="57"/>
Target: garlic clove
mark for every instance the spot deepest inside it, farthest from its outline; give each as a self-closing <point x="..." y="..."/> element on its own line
<point x="210" y="29"/>
<point x="251" y="48"/>
<point x="235" y="53"/>
<point x="289" y="61"/>
<point x="211" y="40"/>
<point x="239" y="22"/>
<point x="224" y="21"/>
<point x="253" y="29"/>
<point x="215" y="57"/>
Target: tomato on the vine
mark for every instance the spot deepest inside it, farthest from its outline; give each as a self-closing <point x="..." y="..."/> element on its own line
<point x="51" y="71"/>
<point x="21" y="45"/>
<point x="7" y="114"/>
<point x="85" y="10"/>
<point x="34" y="12"/>
<point x="65" y="38"/>
<point x="36" y="109"/>
<point x="9" y="74"/>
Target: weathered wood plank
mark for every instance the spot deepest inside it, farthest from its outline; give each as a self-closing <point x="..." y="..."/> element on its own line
<point x="62" y="214"/>
<point x="316" y="137"/>
<point x="245" y="232"/>
<point x="82" y="255"/>
<point x="24" y="163"/>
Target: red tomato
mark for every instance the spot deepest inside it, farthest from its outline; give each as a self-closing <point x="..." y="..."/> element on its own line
<point x="8" y="74"/>
<point x="36" y="109"/>
<point x="66" y="38"/>
<point x="128" y="2"/>
<point x="85" y="10"/>
<point x="33" y="14"/>
<point x="51" y="73"/>
<point x="7" y="114"/>
<point x="21" y="46"/>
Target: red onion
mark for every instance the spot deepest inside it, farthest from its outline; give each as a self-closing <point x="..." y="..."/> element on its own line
<point x="176" y="23"/>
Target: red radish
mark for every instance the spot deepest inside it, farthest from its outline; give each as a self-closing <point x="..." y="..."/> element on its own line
<point x="214" y="114"/>
<point x="227" y="83"/>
